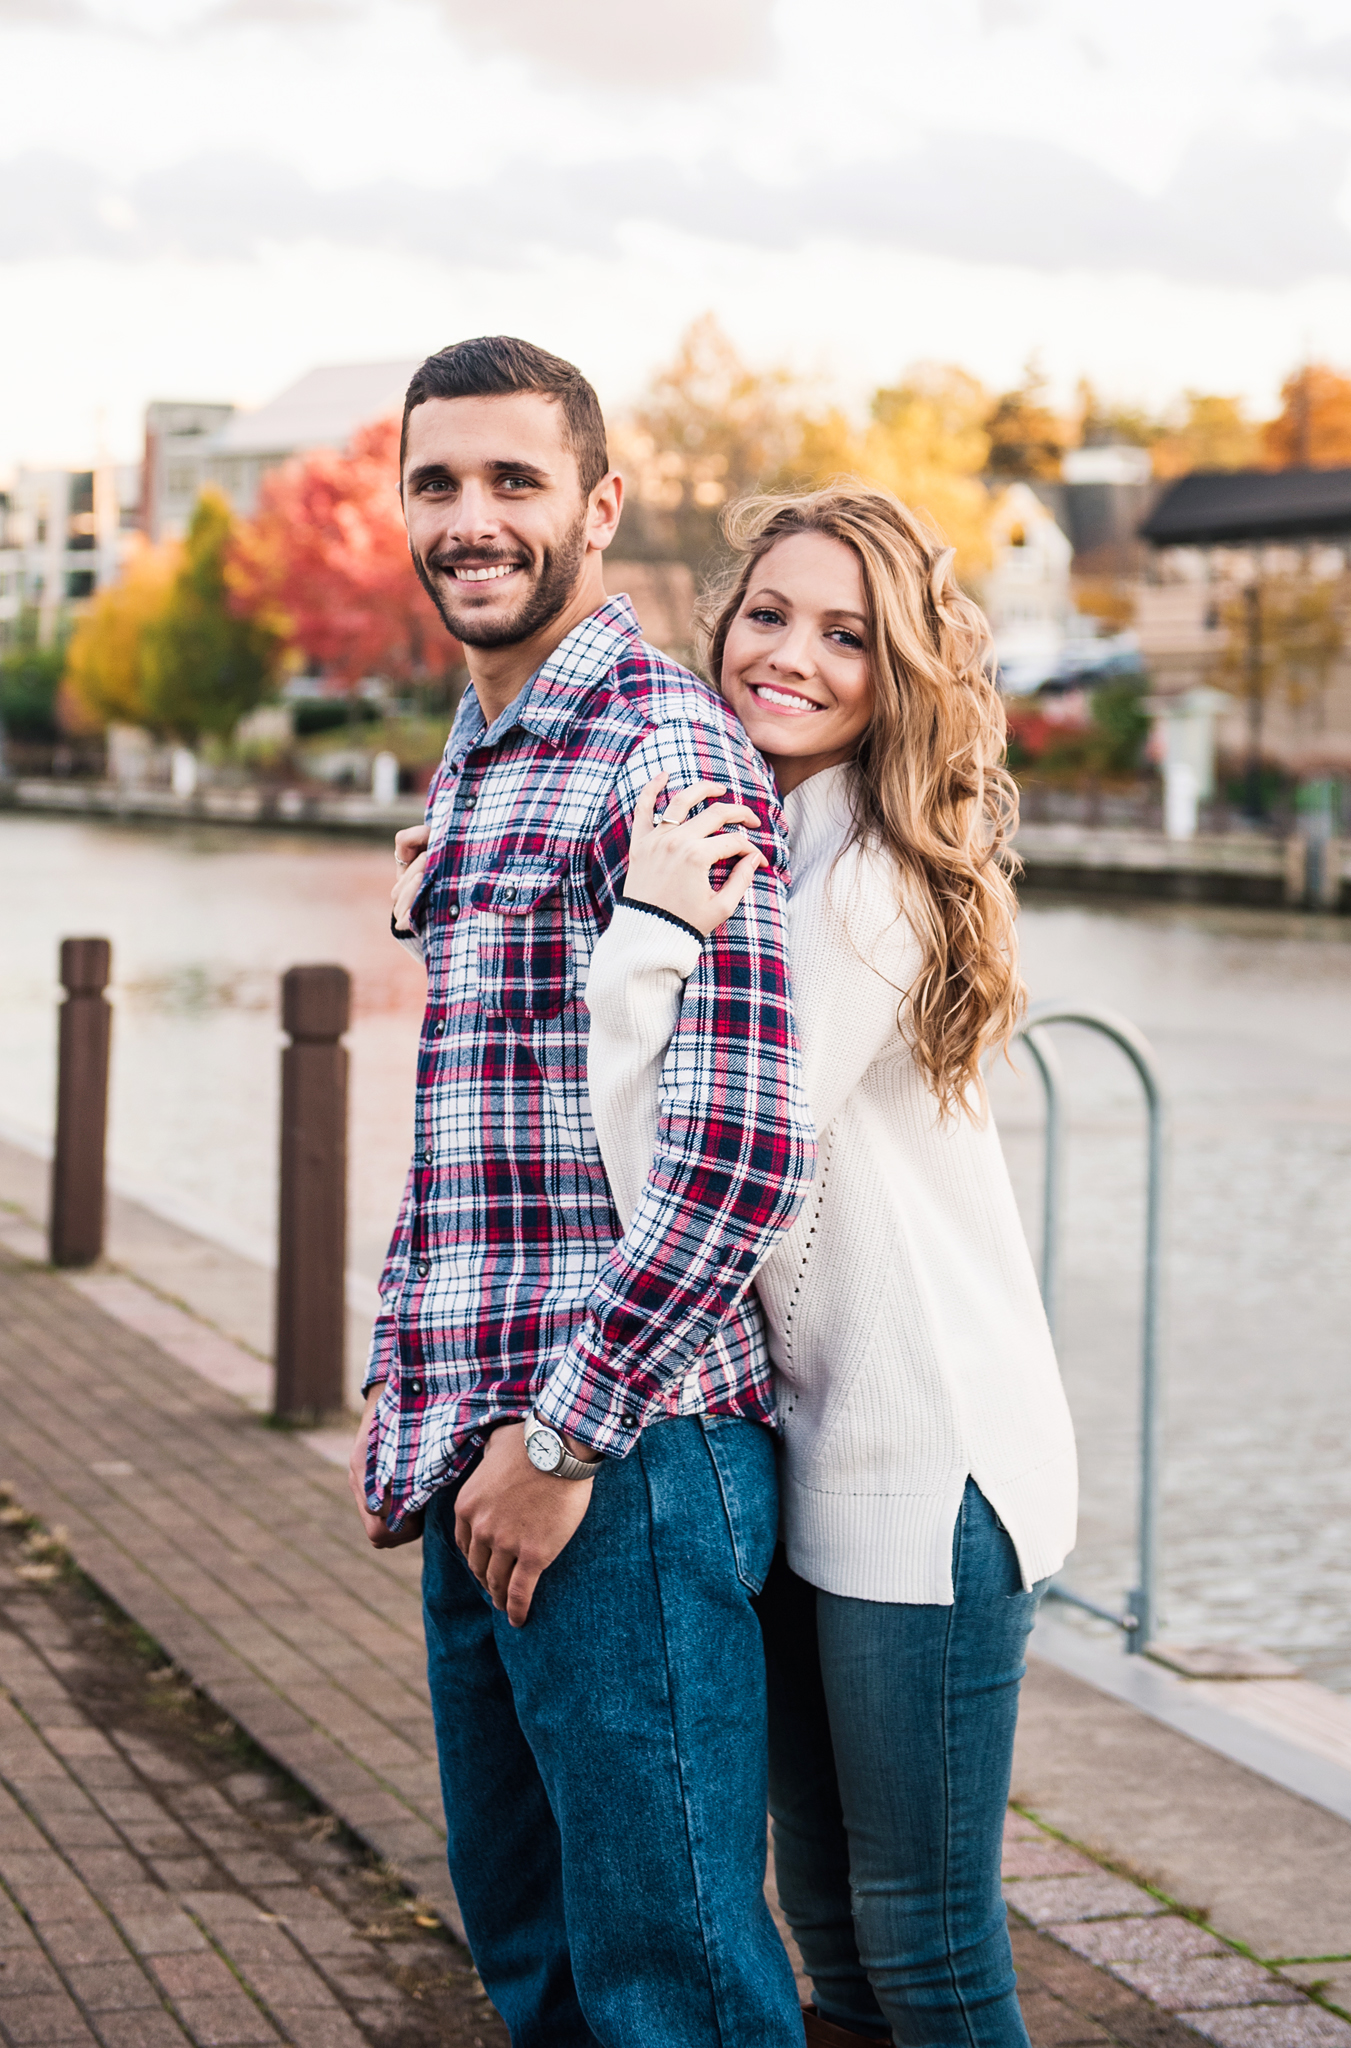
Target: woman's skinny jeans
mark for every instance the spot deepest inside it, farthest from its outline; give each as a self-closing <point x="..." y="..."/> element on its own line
<point x="891" y="1748"/>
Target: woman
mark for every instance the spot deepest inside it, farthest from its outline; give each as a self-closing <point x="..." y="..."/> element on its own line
<point x="928" y="1470"/>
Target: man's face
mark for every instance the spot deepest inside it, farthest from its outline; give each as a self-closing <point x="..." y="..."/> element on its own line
<point x="496" y="519"/>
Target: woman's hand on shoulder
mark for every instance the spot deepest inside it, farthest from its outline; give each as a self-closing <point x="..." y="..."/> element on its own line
<point x="670" y="857"/>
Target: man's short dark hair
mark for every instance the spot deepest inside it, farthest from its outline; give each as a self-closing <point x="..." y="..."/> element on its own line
<point x="495" y="366"/>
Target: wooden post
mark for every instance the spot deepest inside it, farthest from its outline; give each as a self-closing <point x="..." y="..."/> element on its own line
<point x="75" y="1231"/>
<point x="312" y="1246"/>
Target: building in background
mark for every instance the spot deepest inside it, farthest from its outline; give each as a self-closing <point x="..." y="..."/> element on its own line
<point x="188" y="446"/>
<point x="173" y="469"/>
<point x="1027" y="591"/>
<point x="64" y="533"/>
<point x="1250" y="584"/>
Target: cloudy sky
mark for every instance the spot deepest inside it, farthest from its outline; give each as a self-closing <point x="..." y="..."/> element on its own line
<point x="202" y="198"/>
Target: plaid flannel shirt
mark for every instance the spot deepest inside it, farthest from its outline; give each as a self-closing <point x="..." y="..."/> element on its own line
<point x="511" y="1283"/>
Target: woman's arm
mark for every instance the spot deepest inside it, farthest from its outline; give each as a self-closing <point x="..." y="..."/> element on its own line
<point x="852" y="962"/>
<point x="638" y="970"/>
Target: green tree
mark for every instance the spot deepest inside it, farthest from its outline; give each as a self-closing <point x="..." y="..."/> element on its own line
<point x="30" y="676"/>
<point x="204" y="664"/>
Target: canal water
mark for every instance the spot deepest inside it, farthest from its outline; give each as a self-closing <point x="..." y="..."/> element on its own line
<point x="1249" y="1013"/>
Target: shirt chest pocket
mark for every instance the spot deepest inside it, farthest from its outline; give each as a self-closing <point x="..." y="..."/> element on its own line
<point x="526" y="969"/>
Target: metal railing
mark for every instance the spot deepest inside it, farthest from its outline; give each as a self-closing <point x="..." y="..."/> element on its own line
<point x="1138" y="1619"/>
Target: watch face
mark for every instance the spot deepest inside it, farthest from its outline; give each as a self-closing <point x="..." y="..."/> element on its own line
<point x="544" y="1450"/>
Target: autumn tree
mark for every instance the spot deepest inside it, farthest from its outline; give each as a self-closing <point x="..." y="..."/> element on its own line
<point x="708" y="430"/>
<point x="1214" y="433"/>
<point x="104" y="681"/>
<point x="1281" y="633"/>
<point x="204" y="662"/>
<point x="926" y="441"/>
<point x="1313" y="427"/>
<point x="325" y="562"/>
<point x="1105" y="423"/>
<point x="1027" y="437"/>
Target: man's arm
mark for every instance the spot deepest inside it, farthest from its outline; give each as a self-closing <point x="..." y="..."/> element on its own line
<point x="735" y="1148"/>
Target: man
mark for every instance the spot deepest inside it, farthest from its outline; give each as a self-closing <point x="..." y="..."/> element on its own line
<point x="581" y="1402"/>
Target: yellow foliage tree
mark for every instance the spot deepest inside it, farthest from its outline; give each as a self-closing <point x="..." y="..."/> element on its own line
<point x="711" y="429"/>
<point x="1215" y="434"/>
<point x="104" y="681"/>
<point x="708" y="430"/>
<point x="926" y="441"/>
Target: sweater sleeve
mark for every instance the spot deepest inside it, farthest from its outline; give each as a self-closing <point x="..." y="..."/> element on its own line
<point x="634" y="991"/>
<point x="851" y="970"/>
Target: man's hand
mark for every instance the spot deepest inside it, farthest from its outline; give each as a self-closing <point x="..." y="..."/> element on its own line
<point x="511" y="1521"/>
<point x="410" y="858"/>
<point x="376" y="1526"/>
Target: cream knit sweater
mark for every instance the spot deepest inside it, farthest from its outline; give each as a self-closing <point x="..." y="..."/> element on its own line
<point x="907" y="1332"/>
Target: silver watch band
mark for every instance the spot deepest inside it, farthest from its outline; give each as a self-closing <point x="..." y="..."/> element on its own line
<point x="566" y="1467"/>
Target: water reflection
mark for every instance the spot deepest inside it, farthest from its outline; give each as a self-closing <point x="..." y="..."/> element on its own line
<point x="1249" y="1013"/>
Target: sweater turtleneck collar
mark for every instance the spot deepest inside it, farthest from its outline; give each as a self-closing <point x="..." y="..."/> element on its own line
<point x="818" y="813"/>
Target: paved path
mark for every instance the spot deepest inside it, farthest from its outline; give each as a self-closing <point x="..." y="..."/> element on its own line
<point x="236" y="1548"/>
<point x="234" y="1545"/>
<point x="159" y="1888"/>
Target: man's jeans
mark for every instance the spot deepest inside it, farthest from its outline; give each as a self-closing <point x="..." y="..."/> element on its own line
<point x="891" y="1748"/>
<point x="604" y="1766"/>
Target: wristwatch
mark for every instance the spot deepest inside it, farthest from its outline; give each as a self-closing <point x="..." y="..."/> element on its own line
<point x="547" y="1452"/>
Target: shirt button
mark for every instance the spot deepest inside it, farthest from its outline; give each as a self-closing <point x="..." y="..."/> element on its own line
<point x="453" y="909"/>
<point x="629" y="1421"/>
<point x="424" y="1267"/>
<point x="427" y="1158"/>
<point x="438" y="1027"/>
<point x="417" y="1388"/>
<point x="509" y="892"/>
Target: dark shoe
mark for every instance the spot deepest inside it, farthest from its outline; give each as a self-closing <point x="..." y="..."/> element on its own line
<point x="824" y="2033"/>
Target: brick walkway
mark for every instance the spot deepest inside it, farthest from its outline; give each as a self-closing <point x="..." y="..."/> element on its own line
<point x="159" y="1887"/>
<point x="235" y="1547"/>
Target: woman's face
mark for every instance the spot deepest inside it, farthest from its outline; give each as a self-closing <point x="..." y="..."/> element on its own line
<point x="795" y="665"/>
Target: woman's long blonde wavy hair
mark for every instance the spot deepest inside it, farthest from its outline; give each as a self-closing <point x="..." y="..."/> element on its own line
<point x="930" y="787"/>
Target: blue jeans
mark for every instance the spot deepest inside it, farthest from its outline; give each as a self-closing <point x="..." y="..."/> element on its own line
<point x="891" y="1748"/>
<point x="604" y="1766"/>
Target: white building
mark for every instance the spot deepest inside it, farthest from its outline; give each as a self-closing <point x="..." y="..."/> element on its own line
<point x="190" y="446"/>
<point x="1027" y="592"/>
<point x="64" y="533"/>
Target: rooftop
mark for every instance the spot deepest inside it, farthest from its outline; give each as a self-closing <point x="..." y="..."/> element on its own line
<point x="322" y="409"/>
<point x="1213" y="507"/>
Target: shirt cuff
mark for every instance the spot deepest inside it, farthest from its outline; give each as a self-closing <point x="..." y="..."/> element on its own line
<point x="582" y="1398"/>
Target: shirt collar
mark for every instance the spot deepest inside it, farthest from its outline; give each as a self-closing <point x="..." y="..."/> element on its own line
<point x="555" y="697"/>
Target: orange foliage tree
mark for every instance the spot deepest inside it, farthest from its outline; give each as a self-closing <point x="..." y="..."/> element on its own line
<point x="324" y="561"/>
<point x="1313" y="426"/>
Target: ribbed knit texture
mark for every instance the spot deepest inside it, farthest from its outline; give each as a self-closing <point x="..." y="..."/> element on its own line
<point x="906" y="1327"/>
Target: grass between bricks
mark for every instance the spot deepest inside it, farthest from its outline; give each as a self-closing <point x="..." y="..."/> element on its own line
<point x="1199" y="1916"/>
<point x="118" y="1677"/>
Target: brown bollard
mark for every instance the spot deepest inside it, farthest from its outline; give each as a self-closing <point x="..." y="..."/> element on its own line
<point x="312" y="1237"/>
<point x="75" y="1230"/>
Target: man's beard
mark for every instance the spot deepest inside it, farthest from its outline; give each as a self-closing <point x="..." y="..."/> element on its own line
<point x="559" y="569"/>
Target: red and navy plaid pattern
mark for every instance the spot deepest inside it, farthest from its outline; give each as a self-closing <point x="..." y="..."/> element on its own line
<point x="510" y="1281"/>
